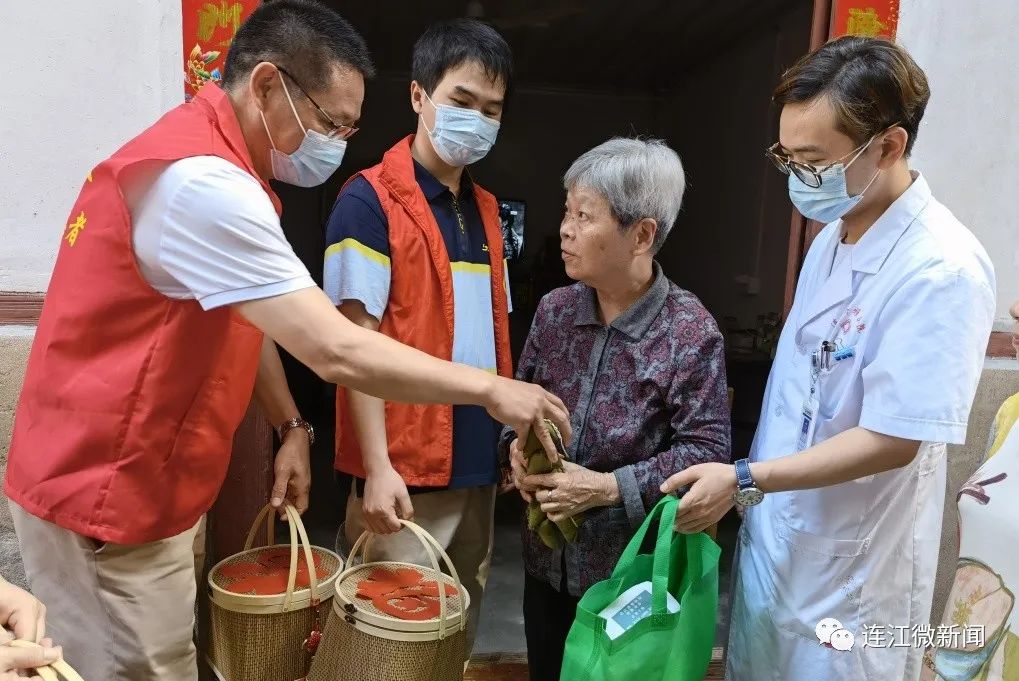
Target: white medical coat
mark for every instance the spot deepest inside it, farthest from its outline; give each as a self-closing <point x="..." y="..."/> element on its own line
<point x="915" y="302"/>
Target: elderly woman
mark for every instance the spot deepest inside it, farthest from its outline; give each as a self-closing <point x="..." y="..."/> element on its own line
<point x="638" y="362"/>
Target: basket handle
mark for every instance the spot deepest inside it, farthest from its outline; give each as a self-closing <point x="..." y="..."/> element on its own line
<point x="432" y="547"/>
<point x="298" y="541"/>
<point x="270" y="527"/>
<point x="51" y="671"/>
<point x="309" y="558"/>
<point x="428" y="542"/>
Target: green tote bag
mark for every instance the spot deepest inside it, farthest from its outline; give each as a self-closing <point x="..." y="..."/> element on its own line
<point x="663" y="646"/>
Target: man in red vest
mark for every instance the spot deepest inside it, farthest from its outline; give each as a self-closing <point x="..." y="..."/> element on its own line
<point x="172" y="266"/>
<point x="415" y="251"/>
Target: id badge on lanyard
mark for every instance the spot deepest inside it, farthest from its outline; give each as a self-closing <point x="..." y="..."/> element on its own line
<point x="809" y="424"/>
<point x="820" y="363"/>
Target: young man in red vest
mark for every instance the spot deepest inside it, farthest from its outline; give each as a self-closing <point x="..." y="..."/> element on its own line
<point x="172" y="267"/>
<point x="415" y="251"/>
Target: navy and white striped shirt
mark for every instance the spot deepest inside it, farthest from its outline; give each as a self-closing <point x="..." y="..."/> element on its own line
<point x="358" y="265"/>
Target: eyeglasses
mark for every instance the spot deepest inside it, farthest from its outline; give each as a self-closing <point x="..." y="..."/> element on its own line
<point x="337" y="130"/>
<point x="806" y="173"/>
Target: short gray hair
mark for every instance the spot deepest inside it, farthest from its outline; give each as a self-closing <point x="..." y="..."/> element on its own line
<point x="640" y="178"/>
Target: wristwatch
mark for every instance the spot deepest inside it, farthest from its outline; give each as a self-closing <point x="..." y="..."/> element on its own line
<point x="297" y="422"/>
<point x="747" y="493"/>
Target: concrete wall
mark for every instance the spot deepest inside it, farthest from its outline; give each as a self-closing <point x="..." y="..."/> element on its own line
<point x="79" y="82"/>
<point x="964" y="148"/>
<point x="967" y="140"/>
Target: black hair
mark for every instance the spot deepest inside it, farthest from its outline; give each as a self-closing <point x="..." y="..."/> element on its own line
<point x="304" y="37"/>
<point x="446" y="45"/>
<point x="872" y="84"/>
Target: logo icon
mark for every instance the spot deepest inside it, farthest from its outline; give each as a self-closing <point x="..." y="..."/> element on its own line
<point x="831" y="634"/>
<point x="843" y="639"/>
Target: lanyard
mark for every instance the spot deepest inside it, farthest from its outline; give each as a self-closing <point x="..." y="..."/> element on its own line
<point x="821" y="363"/>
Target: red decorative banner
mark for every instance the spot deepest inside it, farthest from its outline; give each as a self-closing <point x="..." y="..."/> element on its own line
<point x="865" y="17"/>
<point x="209" y="28"/>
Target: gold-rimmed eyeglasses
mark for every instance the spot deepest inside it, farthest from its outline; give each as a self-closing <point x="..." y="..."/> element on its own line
<point x="336" y="130"/>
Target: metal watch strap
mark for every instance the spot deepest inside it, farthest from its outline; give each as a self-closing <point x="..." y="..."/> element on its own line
<point x="297" y="422"/>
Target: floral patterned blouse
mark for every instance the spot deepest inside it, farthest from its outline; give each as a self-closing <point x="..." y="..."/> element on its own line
<point x="648" y="398"/>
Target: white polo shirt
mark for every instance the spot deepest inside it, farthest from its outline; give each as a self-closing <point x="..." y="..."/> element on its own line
<point x="204" y="229"/>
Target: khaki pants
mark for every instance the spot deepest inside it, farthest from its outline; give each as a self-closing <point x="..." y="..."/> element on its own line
<point x="461" y="520"/>
<point x="122" y="613"/>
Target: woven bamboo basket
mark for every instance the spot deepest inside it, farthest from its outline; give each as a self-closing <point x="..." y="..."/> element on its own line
<point x="363" y="642"/>
<point x="270" y="630"/>
<point x="53" y="671"/>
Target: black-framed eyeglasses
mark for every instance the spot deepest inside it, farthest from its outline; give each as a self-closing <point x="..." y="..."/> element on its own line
<point x="337" y="130"/>
<point x="806" y="173"/>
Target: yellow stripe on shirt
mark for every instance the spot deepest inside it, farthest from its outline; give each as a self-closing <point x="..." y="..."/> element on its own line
<point x="353" y="244"/>
<point x="472" y="267"/>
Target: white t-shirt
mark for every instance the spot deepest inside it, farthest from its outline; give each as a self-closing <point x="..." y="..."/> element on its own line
<point x="204" y="229"/>
<point x="842" y="251"/>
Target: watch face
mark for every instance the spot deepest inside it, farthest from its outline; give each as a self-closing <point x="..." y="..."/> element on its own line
<point x="750" y="496"/>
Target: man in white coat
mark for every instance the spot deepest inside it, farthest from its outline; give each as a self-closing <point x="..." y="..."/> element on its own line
<point x="876" y="371"/>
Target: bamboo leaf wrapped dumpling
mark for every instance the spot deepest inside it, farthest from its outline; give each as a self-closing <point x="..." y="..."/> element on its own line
<point x="552" y="534"/>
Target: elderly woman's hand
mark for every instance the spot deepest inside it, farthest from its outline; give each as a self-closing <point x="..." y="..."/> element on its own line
<point x="575" y="490"/>
<point x="518" y="463"/>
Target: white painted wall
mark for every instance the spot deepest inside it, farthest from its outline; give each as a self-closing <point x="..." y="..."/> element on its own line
<point x="969" y="136"/>
<point x="79" y="80"/>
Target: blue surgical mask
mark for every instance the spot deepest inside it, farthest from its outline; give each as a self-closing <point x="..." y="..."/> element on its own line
<point x="831" y="200"/>
<point x="461" y="136"/>
<point x="310" y="164"/>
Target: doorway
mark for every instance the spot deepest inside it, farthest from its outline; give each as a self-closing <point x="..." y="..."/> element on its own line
<point x="697" y="74"/>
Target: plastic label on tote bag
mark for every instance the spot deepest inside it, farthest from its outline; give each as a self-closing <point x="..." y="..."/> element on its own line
<point x="631" y="607"/>
<point x="664" y="646"/>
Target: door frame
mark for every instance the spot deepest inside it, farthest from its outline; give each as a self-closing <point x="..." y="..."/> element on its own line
<point x="802" y="231"/>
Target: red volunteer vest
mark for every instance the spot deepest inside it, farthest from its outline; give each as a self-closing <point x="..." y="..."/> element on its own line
<point x="125" y="423"/>
<point x="420" y="314"/>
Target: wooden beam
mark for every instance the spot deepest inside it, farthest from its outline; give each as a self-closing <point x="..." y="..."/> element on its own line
<point x="799" y="239"/>
<point x="820" y="27"/>
<point x="794" y="257"/>
<point x="20" y="309"/>
<point x="1000" y="345"/>
<point x="246" y="489"/>
<point x="513" y="666"/>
